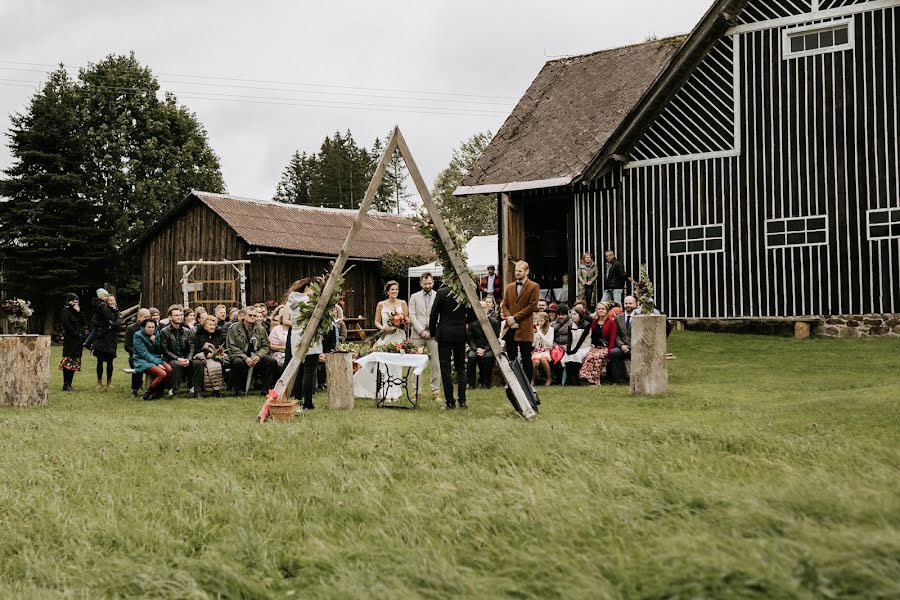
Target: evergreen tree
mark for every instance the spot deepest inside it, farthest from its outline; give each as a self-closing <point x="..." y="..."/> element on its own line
<point x="48" y="225"/>
<point x="395" y="177"/>
<point x="473" y="215"/>
<point x="296" y="181"/>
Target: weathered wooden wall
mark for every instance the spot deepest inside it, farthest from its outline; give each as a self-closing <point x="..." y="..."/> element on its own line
<point x="196" y="234"/>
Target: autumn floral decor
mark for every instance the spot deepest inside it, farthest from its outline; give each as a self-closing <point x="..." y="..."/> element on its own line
<point x="644" y="292"/>
<point x="16" y="311"/>
<point x="404" y="347"/>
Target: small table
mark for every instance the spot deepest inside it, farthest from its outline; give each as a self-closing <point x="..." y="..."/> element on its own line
<point x="415" y="364"/>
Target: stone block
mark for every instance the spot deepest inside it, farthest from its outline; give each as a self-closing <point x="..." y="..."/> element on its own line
<point x="830" y="331"/>
<point x="649" y="376"/>
<point x="852" y="323"/>
<point x="879" y="330"/>
<point x="892" y="322"/>
<point x="897" y="329"/>
<point x="849" y="332"/>
<point x="835" y="321"/>
<point x="873" y="322"/>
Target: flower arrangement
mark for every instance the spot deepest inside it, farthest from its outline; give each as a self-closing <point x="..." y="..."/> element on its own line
<point x="398" y="320"/>
<point x="348" y="347"/>
<point x="404" y="347"/>
<point x="326" y="324"/>
<point x="16" y="307"/>
<point x="16" y="312"/>
<point x="644" y="292"/>
<point x="450" y="277"/>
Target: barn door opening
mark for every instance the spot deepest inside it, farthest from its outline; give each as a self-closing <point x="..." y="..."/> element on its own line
<point x="512" y="227"/>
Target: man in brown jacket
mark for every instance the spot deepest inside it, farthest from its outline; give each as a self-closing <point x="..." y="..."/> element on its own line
<point x="520" y="300"/>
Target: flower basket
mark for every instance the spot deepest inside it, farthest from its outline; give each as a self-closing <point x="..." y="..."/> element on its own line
<point x="282" y="411"/>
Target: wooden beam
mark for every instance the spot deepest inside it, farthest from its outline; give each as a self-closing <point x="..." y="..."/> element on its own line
<point x="463" y="272"/>
<point x="286" y="381"/>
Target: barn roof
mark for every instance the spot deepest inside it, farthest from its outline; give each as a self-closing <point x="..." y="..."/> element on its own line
<point x="312" y="230"/>
<point x="569" y="112"/>
<point x="583" y="112"/>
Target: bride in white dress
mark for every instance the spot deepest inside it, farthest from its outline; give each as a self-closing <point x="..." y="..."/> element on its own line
<point x="364" y="379"/>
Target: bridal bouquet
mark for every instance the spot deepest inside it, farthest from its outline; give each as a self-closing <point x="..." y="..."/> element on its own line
<point x="398" y="319"/>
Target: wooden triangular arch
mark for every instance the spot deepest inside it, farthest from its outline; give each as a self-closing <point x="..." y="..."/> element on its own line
<point x="396" y="142"/>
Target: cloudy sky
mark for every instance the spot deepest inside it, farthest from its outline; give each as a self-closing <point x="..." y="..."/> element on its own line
<point x="267" y="78"/>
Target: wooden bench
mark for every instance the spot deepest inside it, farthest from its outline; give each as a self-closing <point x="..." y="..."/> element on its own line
<point x="356" y="329"/>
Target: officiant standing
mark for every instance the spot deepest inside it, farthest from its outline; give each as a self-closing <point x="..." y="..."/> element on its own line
<point x="448" y="322"/>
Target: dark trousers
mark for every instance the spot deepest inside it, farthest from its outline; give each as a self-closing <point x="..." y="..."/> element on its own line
<point x="310" y="378"/>
<point x="617" y="360"/>
<point x="457" y="352"/>
<point x="514" y="348"/>
<point x="192" y="373"/>
<point x="589" y="297"/>
<point x="572" y="370"/>
<point x="265" y="368"/>
<point x="485" y="367"/>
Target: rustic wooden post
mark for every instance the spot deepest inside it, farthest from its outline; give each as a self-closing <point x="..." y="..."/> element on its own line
<point x="339" y="370"/>
<point x="24" y="370"/>
<point x="801" y="330"/>
<point x="648" y="356"/>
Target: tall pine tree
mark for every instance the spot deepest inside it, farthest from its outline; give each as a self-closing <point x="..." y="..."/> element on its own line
<point x="49" y="232"/>
<point x="473" y="215"/>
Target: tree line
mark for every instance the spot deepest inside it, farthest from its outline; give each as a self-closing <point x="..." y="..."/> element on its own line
<point x="100" y="157"/>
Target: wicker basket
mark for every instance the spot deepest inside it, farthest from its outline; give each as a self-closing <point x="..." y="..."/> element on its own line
<point x="283" y="412"/>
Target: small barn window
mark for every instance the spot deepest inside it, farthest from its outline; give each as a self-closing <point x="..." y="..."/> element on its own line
<point x="884" y="223"/>
<point x="797" y="231"/>
<point x="833" y="36"/>
<point x="696" y="239"/>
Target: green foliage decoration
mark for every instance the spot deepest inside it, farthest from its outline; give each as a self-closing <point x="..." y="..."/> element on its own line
<point x="450" y="277"/>
<point x="326" y="323"/>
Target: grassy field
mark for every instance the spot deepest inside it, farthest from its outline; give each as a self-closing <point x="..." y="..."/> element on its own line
<point x="771" y="470"/>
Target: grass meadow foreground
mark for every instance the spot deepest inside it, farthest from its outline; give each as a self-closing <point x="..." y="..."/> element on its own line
<point x="772" y="469"/>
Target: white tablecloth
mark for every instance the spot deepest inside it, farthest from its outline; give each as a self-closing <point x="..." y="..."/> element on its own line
<point x="417" y="361"/>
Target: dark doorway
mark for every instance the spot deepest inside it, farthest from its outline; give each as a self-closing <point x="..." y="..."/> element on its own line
<point x="546" y="240"/>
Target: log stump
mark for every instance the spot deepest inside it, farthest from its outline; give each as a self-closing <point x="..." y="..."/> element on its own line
<point x="648" y="356"/>
<point x="339" y="371"/>
<point x="24" y="370"/>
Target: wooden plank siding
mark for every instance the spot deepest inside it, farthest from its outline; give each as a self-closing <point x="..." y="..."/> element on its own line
<point x="196" y="234"/>
<point x="818" y="136"/>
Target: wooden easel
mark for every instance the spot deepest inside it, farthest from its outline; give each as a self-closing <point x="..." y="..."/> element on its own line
<point x="396" y="141"/>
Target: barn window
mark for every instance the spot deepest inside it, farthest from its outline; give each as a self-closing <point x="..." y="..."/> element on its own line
<point x="797" y="231"/>
<point x="833" y="36"/>
<point x="884" y="223"/>
<point x="696" y="239"/>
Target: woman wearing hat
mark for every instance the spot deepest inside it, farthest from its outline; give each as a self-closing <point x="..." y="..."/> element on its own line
<point x="73" y="337"/>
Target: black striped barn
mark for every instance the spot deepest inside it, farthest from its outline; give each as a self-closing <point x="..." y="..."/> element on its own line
<point x="753" y="164"/>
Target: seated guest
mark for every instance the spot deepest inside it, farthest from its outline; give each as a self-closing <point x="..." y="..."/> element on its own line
<point x="209" y="344"/>
<point x="542" y="306"/>
<point x="552" y="312"/>
<point x="178" y="350"/>
<point x="339" y="323"/>
<point x="190" y="319"/>
<point x="233" y="315"/>
<point x="200" y="314"/>
<point x="148" y="359"/>
<point x="136" y="378"/>
<point x="278" y="336"/>
<point x="621" y="350"/>
<point x="560" y="324"/>
<point x="479" y="353"/>
<point x="248" y="346"/>
<point x="577" y="346"/>
<point x="603" y="338"/>
<point x="543" y="344"/>
<point x="490" y="308"/>
<point x="221" y="313"/>
<point x="262" y="317"/>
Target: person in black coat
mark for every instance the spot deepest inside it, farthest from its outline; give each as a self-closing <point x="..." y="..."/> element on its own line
<point x="448" y="321"/>
<point x="480" y="354"/>
<point x="178" y="350"/>
<point x="613" y="279"/>
<point x="106" y="326"/>
<point x="73" y="338"/>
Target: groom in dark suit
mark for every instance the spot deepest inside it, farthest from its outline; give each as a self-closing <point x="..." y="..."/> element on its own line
<point x="448" y="322"/>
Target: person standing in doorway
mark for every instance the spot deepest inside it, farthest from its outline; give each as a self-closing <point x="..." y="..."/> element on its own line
<point x="520" y="302"/>
<point x="587" y="278"/>
<point x="613" y="279"/>
<point x="420" y="305"/>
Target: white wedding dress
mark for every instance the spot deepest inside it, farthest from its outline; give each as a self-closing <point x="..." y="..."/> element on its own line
<point x="364" y="379"/>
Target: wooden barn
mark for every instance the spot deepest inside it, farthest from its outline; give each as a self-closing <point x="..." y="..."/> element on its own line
<point x="754" y="164"/>
<point x="282" y="242"/>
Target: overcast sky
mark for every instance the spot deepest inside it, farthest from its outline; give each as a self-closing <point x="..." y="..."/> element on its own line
<point x="322" y="66"/>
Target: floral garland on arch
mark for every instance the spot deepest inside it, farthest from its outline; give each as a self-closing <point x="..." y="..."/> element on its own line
<point x="450" y="277"/>
<point x="326" y="323"/>
<point x="644" y="291"/>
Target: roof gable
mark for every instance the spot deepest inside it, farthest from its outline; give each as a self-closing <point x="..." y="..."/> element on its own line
<point x="568" y="113"/>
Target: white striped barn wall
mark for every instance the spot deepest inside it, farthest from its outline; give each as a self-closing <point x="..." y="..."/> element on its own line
<point x="820" y="137"/>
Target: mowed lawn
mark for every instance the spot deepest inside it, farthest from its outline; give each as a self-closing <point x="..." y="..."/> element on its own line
<point x="771" y="470"/>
